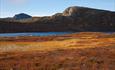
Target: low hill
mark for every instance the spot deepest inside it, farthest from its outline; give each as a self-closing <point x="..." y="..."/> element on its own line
<point x="74" y="18"/>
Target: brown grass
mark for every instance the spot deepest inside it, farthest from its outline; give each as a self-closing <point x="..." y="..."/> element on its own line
<point x="83" y="51"/>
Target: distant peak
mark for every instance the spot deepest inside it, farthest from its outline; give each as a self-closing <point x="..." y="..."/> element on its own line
<point x="22" y="16"/>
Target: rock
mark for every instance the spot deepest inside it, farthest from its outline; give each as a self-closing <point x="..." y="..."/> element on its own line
<point x="70" y="11"/>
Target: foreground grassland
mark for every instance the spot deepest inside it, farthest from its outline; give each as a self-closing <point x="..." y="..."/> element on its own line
<point x="78" y="51"/>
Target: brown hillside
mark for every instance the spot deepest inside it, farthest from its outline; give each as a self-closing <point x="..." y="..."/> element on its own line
<point x="72" y="19"/>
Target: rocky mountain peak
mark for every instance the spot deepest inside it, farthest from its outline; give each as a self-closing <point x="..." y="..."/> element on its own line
<point x="76" y="10"/>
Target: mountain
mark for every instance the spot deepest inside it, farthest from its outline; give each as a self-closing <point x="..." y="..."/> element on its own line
<point x="74" y="18"/>
<point x="21" y="16"/>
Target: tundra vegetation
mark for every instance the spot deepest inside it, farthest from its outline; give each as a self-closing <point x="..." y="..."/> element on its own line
<point x="77" y="51"/>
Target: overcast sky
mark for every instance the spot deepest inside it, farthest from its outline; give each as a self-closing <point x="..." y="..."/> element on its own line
<point x="9" y="8"/>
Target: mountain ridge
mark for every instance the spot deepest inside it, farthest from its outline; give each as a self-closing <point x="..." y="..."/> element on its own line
<point x="73" y="18"/>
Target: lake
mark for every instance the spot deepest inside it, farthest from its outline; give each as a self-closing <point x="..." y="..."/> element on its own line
<point x="40" y="34"/>
<point x="34" y="34"/>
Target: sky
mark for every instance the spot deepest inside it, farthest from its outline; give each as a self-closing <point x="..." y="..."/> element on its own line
<point x="8" y="8"/>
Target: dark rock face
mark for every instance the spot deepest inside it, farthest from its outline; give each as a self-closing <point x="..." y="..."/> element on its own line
<point x="72" y="19"/>
<point x="21" y="16"/>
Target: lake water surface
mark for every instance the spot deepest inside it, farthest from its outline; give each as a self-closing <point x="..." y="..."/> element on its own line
<point x="34" y="34"/>
<point x="39" y="34"/>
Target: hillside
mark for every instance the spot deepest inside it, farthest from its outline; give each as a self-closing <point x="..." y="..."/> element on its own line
<point x="74" y="18"/>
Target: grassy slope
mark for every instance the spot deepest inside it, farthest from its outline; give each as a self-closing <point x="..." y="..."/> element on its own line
<point x="83" y="51"/>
